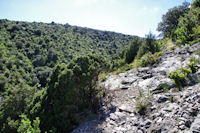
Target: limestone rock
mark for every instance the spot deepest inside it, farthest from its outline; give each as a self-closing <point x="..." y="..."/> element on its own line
<point x="149" y="83"/>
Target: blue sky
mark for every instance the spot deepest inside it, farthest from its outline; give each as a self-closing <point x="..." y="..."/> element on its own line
<point x="134" y="17"/>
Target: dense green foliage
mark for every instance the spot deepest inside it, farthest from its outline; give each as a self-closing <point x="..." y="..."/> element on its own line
<point x="170" y="19"/>
<point x="30" y="50"/>
<point x="27" y="127"/>
<point x="148" y="59"/>
<point x="149" y="45"/>
<point x="182" y="23"/>
<point x="139" y="47"/>
<point x="180" y="76"/>
<point x="16" y="100"/>
<point x="37" y="80"/>
<point x="139" y="53"/>
<point x="132" y="50"/>
<point x="70" y="91"/>
<point x="189" y="26"/>
<point x="48" y="72"/>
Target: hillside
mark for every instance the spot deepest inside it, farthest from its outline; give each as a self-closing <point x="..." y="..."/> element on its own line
<point x="59" y="78"/>
<point x="29" y="52"/>
<point x="35" y="48"/>
<point x="146" y="99"/>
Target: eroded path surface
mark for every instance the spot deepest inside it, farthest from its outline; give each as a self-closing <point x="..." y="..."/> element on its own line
<point x="168" y="111"/>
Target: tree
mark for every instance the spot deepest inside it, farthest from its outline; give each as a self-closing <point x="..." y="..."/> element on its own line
<point x="195" y="4"/>
<point x="132" y="50"/>
<point x="70" y="90"/>
<point x="149" y="45"/>
<point x="188" y="27"/>
<point x="170" y="20"/>
<point x="13" y="106"/>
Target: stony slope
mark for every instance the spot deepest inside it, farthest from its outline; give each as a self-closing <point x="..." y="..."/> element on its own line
<point x="172" y="111"/>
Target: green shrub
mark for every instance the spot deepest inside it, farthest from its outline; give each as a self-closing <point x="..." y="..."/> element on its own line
<point x="196" y="32"/>
<point x="132" y="50"/>
<point x="102" y="76"/>
<point x="182" y="35"/>
<point x="195" y="41"/>
<point x="27" y="127"/>
<point x="194" y="68"/>
<point x="146" y="60"/>
<point x="136" y="63"/>
<point x="194" y="59"/>
<point x="2" y="82"/>
<point x="149" y="59"/>
<point x="198" y="51"/>
<point x="124" y="68"/>
<point x="170" y="19"/>
<point x="142" y="105"/>
<point x="70" y="91"/>
<point x="188" y="25"/>
<point x="14" y="104"/>
<point x="171" y="99"/>
<point x="163" y="87"/>
<point x="117" y="64"/>
<point x="142" y="102"/>
<point x="102" y="93"/>
<point x="149" y="45"/>
<point x="179" y="76"/>
<point x="187" y="47"/>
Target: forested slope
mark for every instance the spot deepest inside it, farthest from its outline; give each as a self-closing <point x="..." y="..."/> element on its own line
<point x="49" y="73"/>
<point x="34" y="48"/>
<point x="29" y="52"/>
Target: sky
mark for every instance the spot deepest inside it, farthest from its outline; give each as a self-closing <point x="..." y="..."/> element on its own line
<point x="133" y="17"/>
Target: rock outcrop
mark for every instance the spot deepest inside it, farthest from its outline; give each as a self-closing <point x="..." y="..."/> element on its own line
<point x="176" y="110"/>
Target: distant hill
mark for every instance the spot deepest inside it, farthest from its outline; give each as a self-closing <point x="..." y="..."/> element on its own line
<point x="35" y="48"/>
<point x="34" y="39"/>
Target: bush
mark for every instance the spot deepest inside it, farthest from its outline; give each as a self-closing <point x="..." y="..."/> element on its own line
<point x="179" y="76"/>
<point x="188" y="25"/>
<point x="117" y="64"/>
<point x="187" y="47"/>
<point x="162" y="88"/>
<point x="132" y="50"/>
<point x="38" y="32"/>
<point x="171" y="99"/>
<point x="149" y="45"/>
<point x="2" y="82"/>
<point x="182" y="35"/>
<point x="194" y="59"/>
<point x="142" y="106"/>
<point x="198" y="51"/>
<point x="170" y="20"/>
<point x="142" y="103"/>
<point x="27" y="127"/>
<point x="19" y="45"/>
<point x="102" y="76"/>
<point x="39" y="61"/>
<point x="15" y="28"/>
<point x="14" y="105"/>
<point x="195" y="41"/>
<point x="70" y="91"/>
<point x="193" y="65"/>
<point x="148" y="59"/>
<point x="196" y="32"/>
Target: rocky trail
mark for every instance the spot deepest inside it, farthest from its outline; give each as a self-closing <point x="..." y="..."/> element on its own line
<point x="168" y="111"/>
